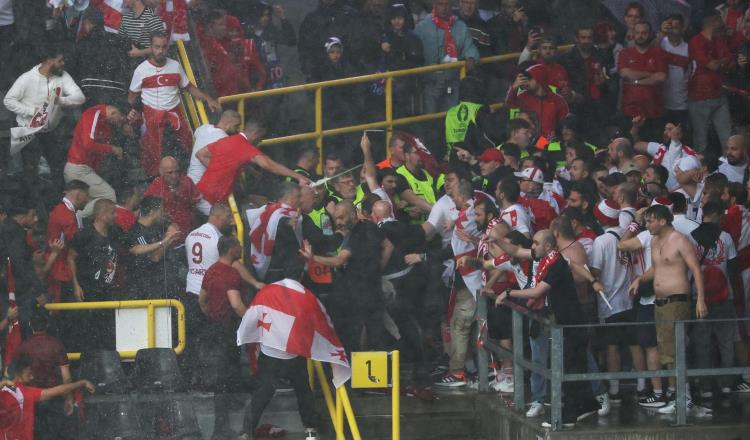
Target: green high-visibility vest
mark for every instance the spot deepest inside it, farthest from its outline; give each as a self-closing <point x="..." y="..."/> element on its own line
<point x="457" y="122"/>
<point x="322" y="220"/>
<point x="358" y="197"/>
<point x="555" y="148"/>
<point x="422" y="188"/>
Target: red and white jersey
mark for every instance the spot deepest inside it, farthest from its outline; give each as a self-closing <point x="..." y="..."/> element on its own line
<point x="202" y="250"/>
<point x="111" y="11"/>
<point x="736" y="223"/>
<point x="586" y="238"/>
<point x="517" y="218"/>
<point x="159" y="86"/>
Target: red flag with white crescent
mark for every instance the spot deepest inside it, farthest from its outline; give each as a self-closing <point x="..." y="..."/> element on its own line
<point x="13" y="338"/>
<point x="285" y="316"/>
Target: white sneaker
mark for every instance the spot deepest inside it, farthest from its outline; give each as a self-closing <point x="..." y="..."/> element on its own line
<point x="603" y="400"/>
<point x="311" y="434"/>
<point x="548" y="425"/>
<point x="535" y="410"/>
<point x="699" y="411"/>
<point x="670" y="408"/>
<point x="505" y="386"/>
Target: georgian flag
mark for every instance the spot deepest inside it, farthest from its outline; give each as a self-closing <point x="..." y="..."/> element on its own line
<point x="287" y="317"/>
<point x="13" y="338"/>
<point x="112" y="12"/>
<point x="264" y="222"/>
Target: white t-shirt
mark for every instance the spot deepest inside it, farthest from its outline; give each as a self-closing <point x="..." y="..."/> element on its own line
<point x="734" y="173"/>
<point x="627" y="216"/>
<point x="684" y="226"/>
<point x="694" y="211"/>
<point x="517" y="218"/>
<point x="202" y="251"/>
<point x="673" y="154"/>
<point x="615" y="272"/>
<point x="204" y="135"/>
<point x="676" y="84"/>
<point x="159" y="86"/>
<point x="442" y="211"/>
<point x="6" y="13"/>
<point x="645" y="238"/>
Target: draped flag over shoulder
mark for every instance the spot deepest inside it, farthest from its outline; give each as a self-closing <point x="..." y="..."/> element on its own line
<point x="264" y="222"/>
<point x="287" y="317"/>
<point x="13" y="338"/>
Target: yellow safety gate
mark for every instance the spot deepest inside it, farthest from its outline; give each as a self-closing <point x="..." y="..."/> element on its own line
<point x="149" y="305"/>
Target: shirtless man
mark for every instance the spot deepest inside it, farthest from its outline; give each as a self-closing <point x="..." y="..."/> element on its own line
<point x="672" y="255"/>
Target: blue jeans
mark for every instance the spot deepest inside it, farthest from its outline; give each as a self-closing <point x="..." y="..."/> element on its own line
<point x="540" y="356"/>
<point x="710" y="110"/>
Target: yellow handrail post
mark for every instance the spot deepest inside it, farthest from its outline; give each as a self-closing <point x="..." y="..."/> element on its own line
<point x="388" y="115"/>
<point x="191" y="77"/>
<point x="396" y="394"/>
<point x="327" y="396"/>
<point x="319" y="126"/>
<point x="151" y="325"/>
<point x="462" y="72"/>
<point x="241" y="111"/>
<point x="339" y="421"/>
<point x="238" y="225"/>
<point x="311" y="374"/>
<point x="349" y="413"/>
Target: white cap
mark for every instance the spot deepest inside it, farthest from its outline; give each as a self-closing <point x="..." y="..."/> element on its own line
<point x="687" y="163"/>
<point x="534" y="174"/>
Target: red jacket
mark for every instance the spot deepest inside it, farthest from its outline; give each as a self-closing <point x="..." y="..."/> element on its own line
<point x="705" y="83"/>
<point x="62" y="225"/>
<point x="91" y="138"/>
<point x="178" y="202"/>
<point x="550" y="109"/>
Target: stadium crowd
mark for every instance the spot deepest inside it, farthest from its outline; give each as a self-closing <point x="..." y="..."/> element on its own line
<point x="610" y="188"/>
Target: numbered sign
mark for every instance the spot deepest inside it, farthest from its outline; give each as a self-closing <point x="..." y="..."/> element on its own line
<point x="370" y="369"/>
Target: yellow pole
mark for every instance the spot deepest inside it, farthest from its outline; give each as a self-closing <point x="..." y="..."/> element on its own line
<point x="339" y="422"/>
<point x="350" y="414"/>
<point x="326" y="390"/>
<point x="241" y="111"/>
<point x="462" y="72"/>
<point x="388" y="115"/>
<point x="396" y="395"/>
<point x="311" y="374"/>
<point x="319" y="127"/>
<point x="151" y="326"/>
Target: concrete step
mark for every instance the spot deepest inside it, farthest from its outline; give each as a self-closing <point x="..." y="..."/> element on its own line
<point x="422" y="426"/>
<point x="364" y="405"/>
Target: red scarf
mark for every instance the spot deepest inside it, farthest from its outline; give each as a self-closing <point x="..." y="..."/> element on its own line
<point x="544" y="265"/>
<point x="449" y="44"/>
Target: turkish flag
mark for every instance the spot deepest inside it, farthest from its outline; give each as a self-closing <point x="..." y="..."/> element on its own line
<point x="287" y="317"/>
<point x="13" y="338"/>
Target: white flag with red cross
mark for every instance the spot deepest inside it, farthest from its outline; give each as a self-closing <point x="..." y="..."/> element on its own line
<point x="287" y="317"/>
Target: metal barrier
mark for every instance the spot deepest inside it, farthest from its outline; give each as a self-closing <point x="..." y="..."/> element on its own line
<point x="339" y="409"/>
<point x="556" y="375"/>
<point x="389" y="122"/>
<point x="149" y="305"/>
<point x="195" y="108"/>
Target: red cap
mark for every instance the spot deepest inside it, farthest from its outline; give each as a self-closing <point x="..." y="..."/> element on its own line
<point x="491" y="154"/>
<point x="538" y="73"/>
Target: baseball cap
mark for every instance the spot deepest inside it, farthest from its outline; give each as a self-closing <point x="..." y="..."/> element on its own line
<point x="538" y="73"/>
<point x="607" y="212"/>
<point x="332" y="42"/>
<point x="687" y="163"/>
<point x="629" y="168"/>
<point x="534" y="174"/>
<point x="491" y="154"/>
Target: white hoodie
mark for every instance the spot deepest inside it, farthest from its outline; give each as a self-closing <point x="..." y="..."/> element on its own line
<point x="32" y="89"/>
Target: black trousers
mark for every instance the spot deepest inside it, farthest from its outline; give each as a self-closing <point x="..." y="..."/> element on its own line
<point x="577" y="396"/>
<point x="269" y="369"/>
<point x="50" y="422"/>
<point x="54" y="147"/>
<point x="403" y="310"/>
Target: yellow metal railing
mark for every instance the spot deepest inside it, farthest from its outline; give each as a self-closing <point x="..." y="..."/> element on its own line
<point x="319" y="133"/>
<point x="149" y="305"/>
<point x="195" y="108"/>
<point x="340" y="408"/>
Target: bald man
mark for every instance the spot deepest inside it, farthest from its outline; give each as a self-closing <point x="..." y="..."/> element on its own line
<point x="179" y="194"/>
<point x="734" y="163"/>
<point x="553" y="280"/>
<point x="228" y="124"/>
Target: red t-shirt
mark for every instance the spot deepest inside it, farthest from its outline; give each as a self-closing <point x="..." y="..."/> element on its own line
<point x="62" y="225"/>
<point x="91" y="138"/>
<point x="640" y="100"/>
<point x="47" y="355"/>
<point x="178" y="202"/>
<point x="705" y="83"/>
<point x="219" y="279"/>
<point x="228" y="155"/>
<point x="25" y="429"/>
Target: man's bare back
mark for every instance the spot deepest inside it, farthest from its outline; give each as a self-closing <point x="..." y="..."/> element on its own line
<point x="670" y="268"/>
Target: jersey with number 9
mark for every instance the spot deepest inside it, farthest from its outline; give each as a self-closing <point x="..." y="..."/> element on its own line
<point x="201" y="247"/>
